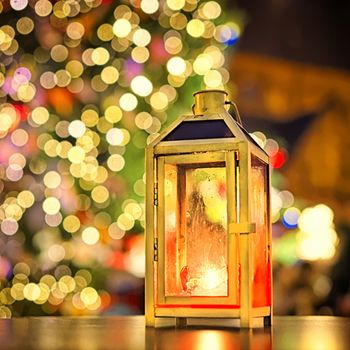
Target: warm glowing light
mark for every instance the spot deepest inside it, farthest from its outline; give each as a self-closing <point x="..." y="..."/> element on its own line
<point x="115" y="136"/>
<point x="211" y="9"/>
<point x="287" y="198"/>
<point x="74" y="68"/>
<point x="52" y="179"/>
<point x="176" y="66"/>
<point x="202" y="64"/>
<point x="75" y="30"/>
<point x="173" y="45"/>
<point x="115" y="231"/>
<point x="63" y="78"/>
<point x="25" y="25"/>
<point x="176" y="5"/>
<point x="100" y="194"/>
<point x="71" y="223"/>
<point x="317" y="238"/>
<point x="59" y="53"/>
<point x="19" y="137"/>
<point x="271" y="147"/>
<point x="51" y="205"/>
<point x="9" y="227"/>
<point x="149" y="6"/>
<point x="105" y="32"/>
<point x="276" y="202"/>
<point x="43" y="8"/>
<point x="31" y="291"/>
<point x="14" y="172"/>
<point x="13" y="211"/>
<point x="128" y="102"/>
<point x="141" y="86"/>
<point x="89" y="296"/>
<point x="159" y="101"/>
<point x="18" y="159"/>
<point x="40" y="115"/>
<point x="18" y="5"/>
<point x="53" y="220"/>
<point x="90" y="235"/>
<point x="100" y="56"/>
<point x="56" y="252"/>
<point x="76" y="128"/>
<point x="140" y="54"/>
<point x="25" y="199"/>
<point x="116" y="162"/>
<point x="17" y="291"/>
<point x="211" y="279"/>
<point x="89" y="117"/>
<point x="76" y="155"/>
<point x="48" y="80"/>
<point x="134" y="209"/>
<point x="213" y="79"/>
<point x="141" y="37"/>
<point x="122" y="28"/>
<point x="135" y="261"/>
<point x="110" y="75"/>
<point x="26" y="92"/>
<point x="66" y="284"/>
<point x="259" y="138"/>
<point x="125" y="221"/>
<point x="324" y="340"/>
<point x="113" y="114"/>
<point x="195" y="28"/>
<point x="210" y="340"/>
<point x="316" y="218"/>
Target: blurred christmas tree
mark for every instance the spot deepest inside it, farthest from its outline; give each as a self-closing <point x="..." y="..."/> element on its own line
<point x="84" y="86"/>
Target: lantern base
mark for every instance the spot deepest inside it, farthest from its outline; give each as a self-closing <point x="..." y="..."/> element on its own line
<point x="183" y="322"/>
<point x="219" y="317"/>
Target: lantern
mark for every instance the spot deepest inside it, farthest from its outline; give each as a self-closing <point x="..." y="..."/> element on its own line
<point x="208" y="231"/>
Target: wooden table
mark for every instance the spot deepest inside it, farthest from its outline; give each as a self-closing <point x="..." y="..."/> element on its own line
<point x="309" y="333"/>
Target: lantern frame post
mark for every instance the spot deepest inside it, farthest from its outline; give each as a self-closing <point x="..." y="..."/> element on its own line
<point x="150" y="239"/>
<point x="244" y="217"/>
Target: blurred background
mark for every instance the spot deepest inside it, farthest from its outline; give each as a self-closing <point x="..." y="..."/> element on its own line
<point x="85" y="85"/>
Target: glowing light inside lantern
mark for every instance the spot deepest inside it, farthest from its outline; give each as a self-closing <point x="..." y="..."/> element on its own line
<point x="211" y="279"/>
<point x="200" y="261"/>
<point x="212" y="282"/>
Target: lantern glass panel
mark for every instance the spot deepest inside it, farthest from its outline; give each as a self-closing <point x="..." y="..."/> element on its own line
<point x="258" y="212"/>
<point x="195" y="210"/>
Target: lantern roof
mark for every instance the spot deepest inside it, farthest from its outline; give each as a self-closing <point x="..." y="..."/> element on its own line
<point x="210" y="120"/>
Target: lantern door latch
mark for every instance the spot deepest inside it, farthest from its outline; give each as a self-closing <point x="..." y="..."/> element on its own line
<point x="155" y="194"/>
<point x="155" y="247"/>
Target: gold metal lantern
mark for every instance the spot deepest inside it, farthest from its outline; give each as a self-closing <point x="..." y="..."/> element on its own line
<point x="208" y="230"/>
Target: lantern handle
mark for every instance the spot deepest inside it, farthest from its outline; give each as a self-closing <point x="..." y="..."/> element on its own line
<point x="235" y="110"/>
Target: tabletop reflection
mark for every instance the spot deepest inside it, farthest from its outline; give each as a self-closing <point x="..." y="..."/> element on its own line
<point x="208" y="339"/>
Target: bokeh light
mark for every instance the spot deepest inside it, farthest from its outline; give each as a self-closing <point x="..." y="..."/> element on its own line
<point x="121" y="27"/>
<point x="316" y="238"/>
<point x="141" y="86"/>
<point x="128" y="102"/>
<point x="90" y="235"/>
<point x="176" y="66"/>
<point x="149" y="6"/>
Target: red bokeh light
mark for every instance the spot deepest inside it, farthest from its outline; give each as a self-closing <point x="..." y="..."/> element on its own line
<point x="278" y="160"/>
